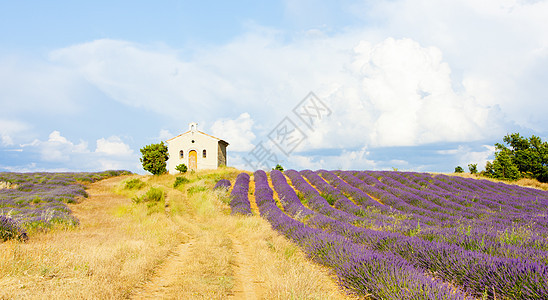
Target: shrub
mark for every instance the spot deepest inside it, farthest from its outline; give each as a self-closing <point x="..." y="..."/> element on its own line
<point x="179" y="181"/>
<point x="223" y="184"/>
<point x="134" y="184"/>
<point x="278" y="167"/>
<point x="196" y="189"/>
<point x="459" y="169"/>
<point x="152" y="195"/>
<point x="181" y="168"/>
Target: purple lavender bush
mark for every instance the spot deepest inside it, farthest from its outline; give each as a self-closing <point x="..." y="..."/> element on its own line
<point x="428" y="236"/>
<point x="223" y="184"/>
<point x="363" y="270"/>
<point x="239" y="200"/>
<point x="9" y="229"/>
<point x="40" y="200"/>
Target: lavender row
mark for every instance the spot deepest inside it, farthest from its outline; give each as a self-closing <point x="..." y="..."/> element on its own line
<point x="450" y="201"/>
<point x="405" y="184"/>
<point x="318" y="203"/>
<point x="377" y="216"/>
<point x="481" y="239"/>
<point x="359" y="269"/>
<point x="388" y="199"/>
<point x="522" y="206"/>
<point x="239" y="199"/>
<point x="223" y="184"/>
<point x="488" y="214"/>
<point x="472" y="191"/>
<point x="486" y="269"/>
<point x="490" y="227"/>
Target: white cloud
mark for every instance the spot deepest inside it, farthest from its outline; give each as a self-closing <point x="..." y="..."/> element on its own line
<point x="410" y="89"/>
<point x="498" y="48"/>
<point x="9" y="129"/>
<point x="346" y="160"/>
<point x="59" y="153"/>
<point x="466" y="155"/>
<point x="238" y="133"/>
<point x="57" y="148"/>
<point x="113" y="146"/>
<point x="393" y="92"/>
<point x="132" y="74"/>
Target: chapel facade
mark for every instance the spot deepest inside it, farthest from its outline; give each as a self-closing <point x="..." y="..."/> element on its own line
<point x="196" y="149"/>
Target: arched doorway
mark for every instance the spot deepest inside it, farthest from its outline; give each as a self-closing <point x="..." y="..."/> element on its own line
<point x="193" y="160"/>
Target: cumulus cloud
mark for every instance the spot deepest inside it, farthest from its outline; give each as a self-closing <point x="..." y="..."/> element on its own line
<point x="238" y="132"/>
<point x="496" y="47"/>
<point x="113" y="146"/>
<point x="57" y="148"/>
<point x="394" y="92"/>
<point x="59" y="153"/>
<point x="411" y="93"/>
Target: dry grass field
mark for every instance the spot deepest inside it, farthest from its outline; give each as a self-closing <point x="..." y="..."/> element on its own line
<point x="186" y="246"/>
<point x="524" y="182"/>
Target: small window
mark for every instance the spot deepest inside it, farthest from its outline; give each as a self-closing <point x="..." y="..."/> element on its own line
<point x="204" y="154"/>
<point x="181" y="154"/>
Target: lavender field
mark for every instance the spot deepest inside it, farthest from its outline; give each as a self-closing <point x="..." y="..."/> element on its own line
<point x="30" y="201"/>
<point x="406" y="235"/>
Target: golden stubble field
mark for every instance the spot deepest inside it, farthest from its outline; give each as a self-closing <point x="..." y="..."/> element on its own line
<point x="185" y="247"/>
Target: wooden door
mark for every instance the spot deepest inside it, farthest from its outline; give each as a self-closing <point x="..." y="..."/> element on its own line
<point x="193" y="160"/>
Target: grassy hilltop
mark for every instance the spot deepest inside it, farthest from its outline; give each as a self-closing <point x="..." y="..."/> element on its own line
<point x="182" y="242"/>
<point x="294" y="235"/>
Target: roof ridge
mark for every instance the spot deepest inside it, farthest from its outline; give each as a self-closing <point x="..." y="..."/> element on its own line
<point x="198" y="132"/>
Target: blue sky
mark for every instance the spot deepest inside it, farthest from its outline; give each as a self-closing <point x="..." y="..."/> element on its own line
<point x="414" y="85"/>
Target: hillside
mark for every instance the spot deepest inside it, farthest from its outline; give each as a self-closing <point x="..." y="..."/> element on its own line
<point x="408" y="235"/>
<point x="291" y="235"/>
<point x="184" y="246"/>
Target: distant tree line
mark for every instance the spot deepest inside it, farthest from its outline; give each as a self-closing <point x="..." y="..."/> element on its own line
<point x="518" y="157"/>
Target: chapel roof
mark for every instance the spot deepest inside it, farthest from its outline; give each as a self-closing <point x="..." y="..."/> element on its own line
<point x="209" y="135"/>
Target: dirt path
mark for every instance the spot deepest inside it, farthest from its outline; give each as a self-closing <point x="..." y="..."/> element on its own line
<point x="246" y="282"/>
<point x="246" y="255"/>
<point x="166" y="275"/>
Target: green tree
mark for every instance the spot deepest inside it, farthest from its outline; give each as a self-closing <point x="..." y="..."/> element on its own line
<point x="473" y="168"/>
<point x="181" y="168"/>
<point x="502" y="167"/>
<point x="278" y="167"/>
<point x="154" y="158"/>
<point x="528" y="155"/>
<point x="459" y="169"/>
